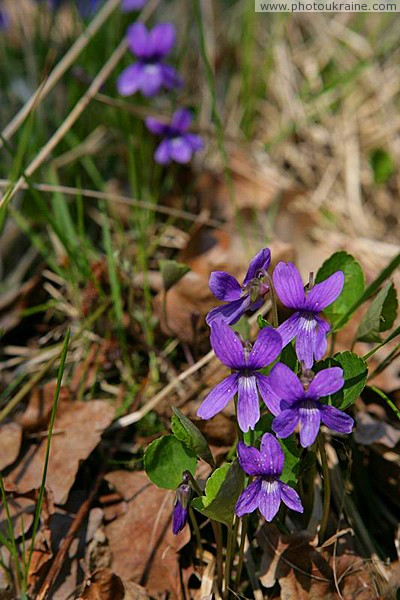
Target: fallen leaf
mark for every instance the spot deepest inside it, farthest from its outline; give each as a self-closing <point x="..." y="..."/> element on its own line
<point x="189" y="300"/>
<point x="103" y="584"/>
<point x="143" y="546"/>
<point x="21" y="510"/>
<point x="10" y="443"/>
<point x="370" y="431"/>
<point x="293" y="562"/>
<point x="306" y="573"/>
<point x="80" y="425"/>
<point x="37" y="414"/>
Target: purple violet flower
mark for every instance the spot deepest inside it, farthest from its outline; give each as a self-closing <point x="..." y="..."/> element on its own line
<point x="149" y="74"/>
<point x="181" y="505"/>
<point x="240" y="298"/>
<point x="179" y="144"/>
<point x="4" y="19"/>
<point x="128" y="5"/>
<point x="305" y="324"/>
<point x="299" y="402"/>
<point x="266" y="491"/>
<point x="246" y="380"/>
<point x="85" y="7"/>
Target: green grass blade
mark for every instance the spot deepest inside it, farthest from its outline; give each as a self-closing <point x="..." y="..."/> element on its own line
<point x="47" y="454"/>
<point x="371" y="289"/>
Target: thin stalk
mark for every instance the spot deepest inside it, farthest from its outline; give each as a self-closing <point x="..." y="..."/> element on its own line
<point x="13" y="545"/>
<point x="219" y="546"/>
<point x="196" y="530"/>
<point x="243" y="534"/>
<point x="275" y="320"/>
<point x="228" y="559"/>
<point x="47" y="452"/>
<point x="327" y="488"/>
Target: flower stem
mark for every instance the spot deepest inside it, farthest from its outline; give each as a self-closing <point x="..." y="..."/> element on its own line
<point x="243" y="534"/>
<point x="230" y="545"/>
<point x="327" y="488"/>
<point x="275" y="320"/>
<point x="218" y="541"/>
<point x="196" y="530"/>
<point x="194" y="483"/>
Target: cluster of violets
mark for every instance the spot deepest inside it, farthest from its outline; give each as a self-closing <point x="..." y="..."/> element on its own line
<point x="150" y="74"/>
<point x="294" y="401"/>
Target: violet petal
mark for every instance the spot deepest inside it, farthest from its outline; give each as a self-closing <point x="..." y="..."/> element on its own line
<point x="270" y="499"/>
<point x="324" y="293"/>
<point x="321" y="343"/>
<point x="224" y="286"/>
<point x="272" y="401"/>
<point x="162" y="154"/>
<point x="179" y="518"/>
<point x="162" y="39"/>
<point x="289" y="328"/>
<point x="266" y="348"/>
<point x="285" y="384"/>
<point x="231" y="312"/>
<point x="138" y="40"/>
<point x="251" y="460"/>
<point x="181" y="151"/>
<point x="260" y="262"/>
<point x="286" y="422"/>
<point x="306" y="339"/>
<point x="248" y="408"/>
<point x="310" y="420"/>
<point x="249" y="498"/>
<point x="155" y="126"/>
<point x="195" y="141"/>
<point x="152" y="80"/>
<point x="181" y="120"/>
<point x="272" y="453"/>
<point x="219" y="397"/>
<point x="325" y="382"/>
<point x="227" y="345"/>
<point x="291" y="498"/>
<point x="288" y="285"/>
<point x="130" y="80"/>
<point x="336" y="419"/>
<point x="170" y="76"/>
<point x="128" y="5"/>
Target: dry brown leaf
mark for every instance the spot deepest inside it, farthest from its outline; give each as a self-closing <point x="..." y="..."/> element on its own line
<point x="10" y="443"/>
<point x="293" y="562"/>
<point x="370" y="430"/>
<point x="80" y="425"/>
<point x="37" y="413"/>
<point x="189" y="300"/>
<point x="103" y="584"/>
<point x="143" y="546"/>
<point x="21" y="510"/>
<point x="304" y="573"/>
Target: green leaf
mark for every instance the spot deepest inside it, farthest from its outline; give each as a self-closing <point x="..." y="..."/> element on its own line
<point x="291" y="466"/>
<point x="355" y="373"/>
<point x="171" y="272"/>
<point x="289" y="357"/>
<point x="165" y="460"/>
<point x="370" y="290"/>
<point x="382" y="165"/>
<point x="261" y="322"/>
<point x="190" y="435"/>
<point x="379" y="316"/>
<point x="352" y="290"/>
<point x="222" y="491"/>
